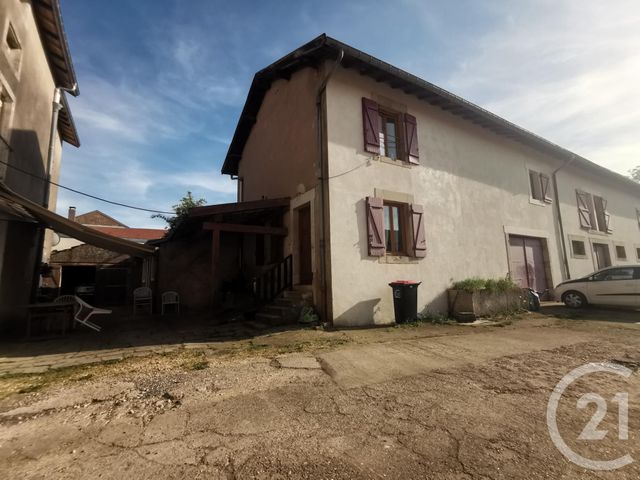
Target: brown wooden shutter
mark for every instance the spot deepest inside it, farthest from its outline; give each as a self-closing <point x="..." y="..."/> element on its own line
<point x="607" y="217"/>
<point x="546" y="194"/>
<point x="584" y="209"/>
<point x="375" y="226"/>
<point x="371" y="126"/>
<point x="411" y="138"/>
<point x="417" y="224"/>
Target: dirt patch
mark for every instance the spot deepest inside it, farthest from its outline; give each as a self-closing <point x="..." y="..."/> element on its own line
<point x="469" y="416"/>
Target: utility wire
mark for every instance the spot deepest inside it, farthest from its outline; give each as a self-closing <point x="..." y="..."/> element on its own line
<point x="83" y="193"/>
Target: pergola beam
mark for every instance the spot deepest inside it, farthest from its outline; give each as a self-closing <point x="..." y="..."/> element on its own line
<point x="241" y="228"/>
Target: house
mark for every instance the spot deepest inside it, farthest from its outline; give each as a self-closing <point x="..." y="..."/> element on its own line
<point x="36" y="72"/>
<point x="359" y="174"/>
<point x="101" y="276"/>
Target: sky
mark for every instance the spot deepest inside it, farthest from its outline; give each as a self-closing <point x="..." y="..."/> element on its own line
<point x="162" y="82"/>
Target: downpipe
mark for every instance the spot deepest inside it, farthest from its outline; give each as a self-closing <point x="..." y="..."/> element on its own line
<point x="323" y="177"/>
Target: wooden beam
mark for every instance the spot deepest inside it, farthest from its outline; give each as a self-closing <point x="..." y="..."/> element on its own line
<point x="215" y="252"/>
<point x="241" y="228"/>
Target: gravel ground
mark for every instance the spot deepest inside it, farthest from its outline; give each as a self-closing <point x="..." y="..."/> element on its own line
<point x="259" y="413"/>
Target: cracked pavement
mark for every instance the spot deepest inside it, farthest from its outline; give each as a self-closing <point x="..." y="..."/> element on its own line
<point x="463" y="406"/>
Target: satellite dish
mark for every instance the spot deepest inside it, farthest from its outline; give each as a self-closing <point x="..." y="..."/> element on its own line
<point x="55" y="239"/>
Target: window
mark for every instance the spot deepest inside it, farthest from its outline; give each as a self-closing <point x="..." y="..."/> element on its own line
<point x="614" y="274"/>
<point x="394" y="227"/>
<point x="578" y="248"/>
<point x="638" y="253"/>
<point x="539" y="184"/>
<point x="621" y="253"/>
<point x="13" y="48"/>
<point x="592" y="212"/>
<point x="389" y="133"/>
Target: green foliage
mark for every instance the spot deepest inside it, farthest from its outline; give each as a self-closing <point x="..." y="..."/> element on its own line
<point x="475" y="284"/>
<point x="181" y="210"/>
<point x="434" y="317"/>
<point x="634" y="173"/>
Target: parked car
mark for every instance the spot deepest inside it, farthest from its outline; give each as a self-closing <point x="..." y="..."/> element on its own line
<point x="609" y="286"/>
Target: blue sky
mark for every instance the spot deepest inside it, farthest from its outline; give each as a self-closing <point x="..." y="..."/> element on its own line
<point x="162" y="82"/>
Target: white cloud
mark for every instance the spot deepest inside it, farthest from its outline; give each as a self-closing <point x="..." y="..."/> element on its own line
<point x="567" y="70"/>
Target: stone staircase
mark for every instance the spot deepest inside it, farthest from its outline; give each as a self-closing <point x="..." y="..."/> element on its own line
<point x="285" y="308"/>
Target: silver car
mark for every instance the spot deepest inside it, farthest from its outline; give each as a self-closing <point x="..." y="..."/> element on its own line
<point x="609" y="286"/>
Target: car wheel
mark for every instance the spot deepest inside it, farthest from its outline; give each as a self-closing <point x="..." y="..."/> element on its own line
<point x="574" y="299"/>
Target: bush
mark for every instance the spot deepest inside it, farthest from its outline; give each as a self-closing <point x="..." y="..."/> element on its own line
<point x="475" y="284"/>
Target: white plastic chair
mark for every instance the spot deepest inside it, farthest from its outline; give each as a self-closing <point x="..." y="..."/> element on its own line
<point x="82" y="311"/>
<point x="142" y="300"/>
<point x="171" y="298"/>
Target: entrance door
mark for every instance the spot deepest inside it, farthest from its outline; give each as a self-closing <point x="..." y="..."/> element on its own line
<point x="602" y="255"/>
<point x="526" y="262"/>
<point x="304" y="245"/>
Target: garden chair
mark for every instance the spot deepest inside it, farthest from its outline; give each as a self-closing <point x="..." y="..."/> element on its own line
<point x="82" y="311"/>
<point x="142" y="300"/>
<point x="170" y="298"/>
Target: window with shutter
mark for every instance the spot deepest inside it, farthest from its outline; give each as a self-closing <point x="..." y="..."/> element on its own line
<point x="584" y="209"/>
<point x="389" y="133"/>
<point x="540" y="187"/>
<point x="603" y="218"/>
<point x="371" y="126"/>
<point x="375" y="227"/>
<point x="417" y="224"/>
<point x="546" y="193"/>
<point x="411" y="138"/>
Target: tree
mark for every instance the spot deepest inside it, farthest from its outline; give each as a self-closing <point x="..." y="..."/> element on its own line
<point x="181" y="210"/>
<point x="634" y="173"/>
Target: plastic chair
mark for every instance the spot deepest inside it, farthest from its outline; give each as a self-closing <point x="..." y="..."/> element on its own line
<point x="170" y="298"/>
<point x="142" y="300"/>
<point x="83" y="311"/>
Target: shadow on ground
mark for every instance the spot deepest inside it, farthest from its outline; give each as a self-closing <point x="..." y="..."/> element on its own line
<point x="599" y="314"/>
<point x="124" y="331"/>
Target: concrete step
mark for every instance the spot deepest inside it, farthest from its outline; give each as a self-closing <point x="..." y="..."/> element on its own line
<point x="278" y="309"/>
<point x="285" y="302"/>
<point x="297" y="295"/>
<point x="267" y="317"/>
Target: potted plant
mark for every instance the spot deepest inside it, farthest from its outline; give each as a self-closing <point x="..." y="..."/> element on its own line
<point x="476" y="297"/>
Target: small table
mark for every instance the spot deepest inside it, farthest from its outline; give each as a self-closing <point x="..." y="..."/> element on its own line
<point x="50" y="311"/>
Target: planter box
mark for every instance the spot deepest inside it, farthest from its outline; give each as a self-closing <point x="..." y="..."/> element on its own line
<point x="468" y="306"/>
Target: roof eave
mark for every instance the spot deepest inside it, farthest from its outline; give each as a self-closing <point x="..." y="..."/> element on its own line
<point x="324" y="47"/>
<point x="54" y="40"/>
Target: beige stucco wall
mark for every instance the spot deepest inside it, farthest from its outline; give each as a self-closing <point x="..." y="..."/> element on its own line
<point x="280" y="158"/>
<point x="474" y="187"/>
<point x="26" y="128"/>
<point x="621" y="204"/>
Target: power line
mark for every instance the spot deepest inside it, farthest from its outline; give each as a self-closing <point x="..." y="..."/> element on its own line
<point x="83" y="193"/>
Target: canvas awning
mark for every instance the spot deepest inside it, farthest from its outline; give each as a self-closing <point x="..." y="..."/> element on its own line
<point x="17" y="207"/>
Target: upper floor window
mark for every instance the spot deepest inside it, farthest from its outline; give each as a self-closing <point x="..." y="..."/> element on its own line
<point x="592" y="212"/>
<point x="12" y="48"/>
<point x="539" y="184"/>
<point x="388" y="133"/>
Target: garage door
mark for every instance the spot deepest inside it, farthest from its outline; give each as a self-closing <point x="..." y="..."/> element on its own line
<point x="526" y="262"/>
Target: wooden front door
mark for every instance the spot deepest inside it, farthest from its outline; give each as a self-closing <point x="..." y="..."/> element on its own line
<point x="304" y="245"/>
<point x="526" y="262"/>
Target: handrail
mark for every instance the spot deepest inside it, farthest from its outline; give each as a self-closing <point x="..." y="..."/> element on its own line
<point x="274" y="280"/>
